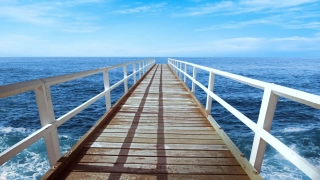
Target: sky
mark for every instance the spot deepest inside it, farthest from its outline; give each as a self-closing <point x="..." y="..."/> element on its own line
<point x="190" y="28"/>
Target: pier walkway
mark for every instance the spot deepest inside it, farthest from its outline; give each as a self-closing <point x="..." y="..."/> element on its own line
<point x="157" y="131"/>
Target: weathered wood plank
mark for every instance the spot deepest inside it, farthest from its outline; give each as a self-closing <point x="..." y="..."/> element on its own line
<point x="124" y="176"/>
<point x="154" y="160"/>
<point x="155" y="140"/>
<point x="156" y="114"/>
<point x="185" y="112"/>
<point x="166" y="124"/>
<point x="156" y="146"/>
<point x="154" y="131"/>
<point x="157" y="153"/>
<point x="163" y="118"/>
<point x="160" y="127"/>
<point x="151" y="169"/>
<point x="164" y="136"/>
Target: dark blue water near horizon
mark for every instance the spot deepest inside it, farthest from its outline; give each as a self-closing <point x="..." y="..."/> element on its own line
<point x="294" y="124"/>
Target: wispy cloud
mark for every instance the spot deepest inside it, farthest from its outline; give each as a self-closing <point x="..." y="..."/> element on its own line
<point x="244" y="6"/>
<point x="236" y="25"/>
<point x="275" y="4"/>
<point x="24" y="46"/>
<point x="245" y="45"/>
<point x="298" y="14"/>
<point x="139" y="9"/>
<point x="281" y="21"/>
<point x="49" y="14"/>
<point x="303" y="25"/>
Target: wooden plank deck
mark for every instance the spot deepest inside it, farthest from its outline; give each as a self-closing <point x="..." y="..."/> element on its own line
<point x="157" y="131"/>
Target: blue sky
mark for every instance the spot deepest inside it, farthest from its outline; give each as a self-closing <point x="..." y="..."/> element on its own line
<point x="282" y="28"/>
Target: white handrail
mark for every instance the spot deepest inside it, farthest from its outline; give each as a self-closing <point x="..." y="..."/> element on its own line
<point x="48" y="122"/>
<point x="262" y="128"/>
<point x="18" y="88"/>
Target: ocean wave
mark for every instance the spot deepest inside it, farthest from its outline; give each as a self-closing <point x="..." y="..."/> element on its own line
<point x="295" y="129"/>
<point x="6" y="130"/>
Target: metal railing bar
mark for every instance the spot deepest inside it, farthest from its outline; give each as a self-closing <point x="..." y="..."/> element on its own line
<point x="296" y="95"/>
<point x="23" y="144"/>
<point x="245" y="80"/>
<point x="78" y="109"/>
<point x="292" y="156"/>
<point x="248" y="122"/>
<point x="84" y="105"/>
<point x="18" y="88"/>
<point x="292" y="94"/>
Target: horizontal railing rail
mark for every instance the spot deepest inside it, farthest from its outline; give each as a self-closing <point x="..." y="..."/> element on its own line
<point x="267" y="109"/>
<point x="45" y="107"/>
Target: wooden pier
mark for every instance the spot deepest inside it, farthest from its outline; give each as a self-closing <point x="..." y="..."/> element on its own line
<point x="157" y="131"/>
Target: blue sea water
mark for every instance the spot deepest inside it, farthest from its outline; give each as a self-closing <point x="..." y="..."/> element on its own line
<point x="296" y="125"/>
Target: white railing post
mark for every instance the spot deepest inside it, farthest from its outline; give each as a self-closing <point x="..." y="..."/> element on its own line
<point x="134" y="73"/>
<point x="268" y="106"/>
<point x="144" y="67"/>
<point x="106" y="83"/>
<point x="185" y="70"/>
<point x="194" y="75"/>
<point x="139" y="69"/>
<point x="176" y="67"/>
<point x="180" y="73"/>
<point x="125" y="82"/>
<point x="210" y="88"/>
<point x="46" y="113"/>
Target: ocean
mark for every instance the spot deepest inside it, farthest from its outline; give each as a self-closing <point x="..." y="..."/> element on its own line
<point x="294" y="124"/>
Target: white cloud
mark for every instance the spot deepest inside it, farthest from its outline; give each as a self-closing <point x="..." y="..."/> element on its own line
<point x="31" y="14"/>
<point x="209" y="8"/>
<point x="243" y="46"/>
<point x="236" y="25"/>
<point x="246" y="6"/>
<point x="19" y="45"/>
<point x="139" y="9"/>
<point x="275" y="4"/>
<point x="285" y="20"/>
<point x="50" y="14"/>
<point x="303" y="25"/>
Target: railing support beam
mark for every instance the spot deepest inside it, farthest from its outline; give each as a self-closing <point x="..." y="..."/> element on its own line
<point x="125" y="83"/>
<point x="194" y="75"/>
<point x="180" y="74"/>
<point x="134" y="73"/>
<point x="46" y="113"/>
<point x="139" y="69"/>
<point x="144" y="67"/>
<point x="106" y="83"/>
<point x="185" y="70"/>
<point x="267" y="109"/>
<point x="210" y="88"/>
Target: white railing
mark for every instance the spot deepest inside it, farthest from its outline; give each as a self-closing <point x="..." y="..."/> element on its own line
<point x="45" y="107"/>
<point x="268" y="105"/>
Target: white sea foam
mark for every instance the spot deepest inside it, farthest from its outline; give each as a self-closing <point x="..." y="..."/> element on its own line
<point x="12" y="129"/>
<point x="295" y="129"/>
<point x="277" y="167"/>
<point x="32" y="162"/>
<point x="27" y="165"/>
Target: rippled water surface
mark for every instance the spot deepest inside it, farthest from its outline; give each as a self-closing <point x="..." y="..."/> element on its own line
<point x="296" y="125"/>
